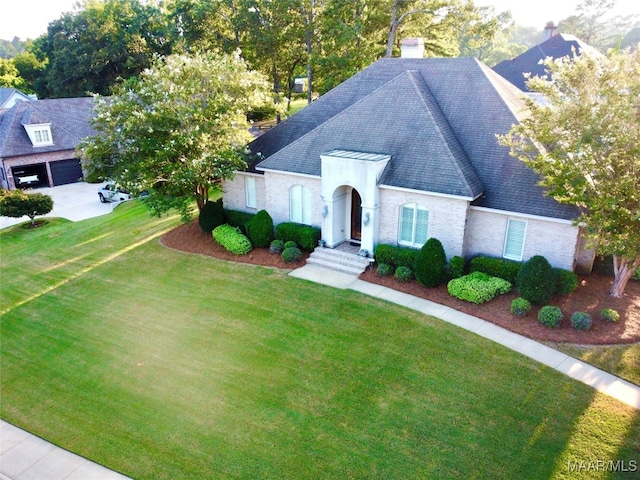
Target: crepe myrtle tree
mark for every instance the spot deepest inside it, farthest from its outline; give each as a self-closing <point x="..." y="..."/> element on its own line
<point x="178" y="130"/>
<point x="17" y="203"/>
<point x="584" y="140"/>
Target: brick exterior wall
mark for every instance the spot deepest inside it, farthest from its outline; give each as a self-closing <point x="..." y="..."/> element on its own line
<point x="277" y="187"/>
<point x="234" y="195"/>
<point x="33" y="159"/>
<point x="555" y="241"/>
<point x="447" y="218"/>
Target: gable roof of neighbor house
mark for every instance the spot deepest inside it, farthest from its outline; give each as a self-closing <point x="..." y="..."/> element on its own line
<point x="69" y="118"/>
<point x="530" y="62"/>
<point x="437" y="118"/>
<point x="7" y="93"/>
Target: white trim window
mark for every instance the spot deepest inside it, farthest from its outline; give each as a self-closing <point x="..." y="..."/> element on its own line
<point x="514" y="239"/>
<point x="413" y="225"/>
<point x="250" y="192"/>
<point x="300" y="204"/>
<point x="39" y="134"/>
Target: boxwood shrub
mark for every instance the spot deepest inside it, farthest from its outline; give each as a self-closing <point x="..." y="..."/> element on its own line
<point x="232" y="239"/>
<point x="291" y="254"/>
<point x="520" y="306"/>
<point x="566" y="281"/>
<point x="496" y="267"/>
<point x="550" y="316"/>
<point x="260" y="229"/>
<point x="477" y="287"/>
<point x="536" y="280"/>
<point x="211" y="216"/>
<point x="403" y="274"/>
<point x="581" y="321"/>
<point x="305" y="236"/>
<point x="276" y="246"/>
<point x="384" y="269"/>
<point x="290" y="244"/>
<point x="396" y="256"/>
<point x="609" y="315"/>
<point x="431" y="266"/>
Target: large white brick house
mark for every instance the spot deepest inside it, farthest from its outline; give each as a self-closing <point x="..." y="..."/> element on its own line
<point x="404" y="151"/>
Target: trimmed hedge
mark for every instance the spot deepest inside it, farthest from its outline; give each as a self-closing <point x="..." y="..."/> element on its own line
<point x="496" y="267"/>
<point x="396" y="256"/>
<point x="305" y="236"/>
<point x="260" y="229"/>
<point x="211" y="216"/>
<point x="232" y="239"/>
<point x="431" y="267"/>
<point x="520" y="306"/>
<point x="477" y="287"/>
<point x="536" y="280"/>
<point x="550" y="316"/>
<point x="566" y="281"/>
<point x="581" y="321"/>
<point x="456" y="267"/>
<point x="238" y="219"/>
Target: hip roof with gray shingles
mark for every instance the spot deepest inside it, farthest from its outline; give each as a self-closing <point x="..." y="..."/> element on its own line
<point x="438" y="120"/>
<point x="70" y="120"/>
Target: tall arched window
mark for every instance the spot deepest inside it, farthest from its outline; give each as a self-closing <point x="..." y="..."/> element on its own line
<point x="300" y="204"/>
<point x="414" y="224"/>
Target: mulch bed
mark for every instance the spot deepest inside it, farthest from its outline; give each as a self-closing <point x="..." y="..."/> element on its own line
<point x="591" y="296"/>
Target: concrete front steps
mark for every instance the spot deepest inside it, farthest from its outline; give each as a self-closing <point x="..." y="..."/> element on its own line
<point x="338" y="260"/>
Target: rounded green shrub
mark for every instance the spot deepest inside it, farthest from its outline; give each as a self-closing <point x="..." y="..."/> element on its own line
<point x="609" y="315"/>
<point x="520" y="306"/>
<point x="536" y="280"/>
<point x="232" y="239"/>
<point x="260" y="229"/>
<point x="235" y="218"/>
<point x="566" y="281"/>
<point x="496" y="267"/>
<point x="550" y="316"/>
<point x="277" y="246"/>
<point x="477" y="287"/>
<point x="384" y="269"/>
<point x="431" y="266"/>
<point x="305" y="236"/>
<point x="404" y="274"/>
<point x="290" y="244"/>
<point x="456" y="267"/>
<point x="211" y="216"/>
<point x="291" y="254"/>
<point x="581" y="321"/>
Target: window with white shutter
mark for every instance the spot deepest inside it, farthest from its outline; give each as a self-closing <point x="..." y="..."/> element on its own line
<point x="300" y="204"/>
<point x="514" y="239"/>
<point x="414" y="225"/>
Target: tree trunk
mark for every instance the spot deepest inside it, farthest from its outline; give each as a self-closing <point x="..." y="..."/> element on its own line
<point x="623" y="269"/>
<point x="392" y="29"/>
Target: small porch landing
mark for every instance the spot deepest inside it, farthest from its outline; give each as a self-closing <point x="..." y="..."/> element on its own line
<point x="344" y="258"/>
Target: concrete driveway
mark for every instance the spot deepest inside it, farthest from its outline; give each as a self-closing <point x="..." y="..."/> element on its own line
<point x="75" y="201"/>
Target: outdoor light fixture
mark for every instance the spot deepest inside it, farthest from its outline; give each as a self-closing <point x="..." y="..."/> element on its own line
<point x="325" y="211"/>
<point x="367" y="218"/>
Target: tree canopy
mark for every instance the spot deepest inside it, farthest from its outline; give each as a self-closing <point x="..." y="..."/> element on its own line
<point x="177" y="130"/>
<point x="585" y="142"/>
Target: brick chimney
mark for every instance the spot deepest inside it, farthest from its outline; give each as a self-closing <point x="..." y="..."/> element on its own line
<point x="412" y="48"/>
<point x="550" y="30"/>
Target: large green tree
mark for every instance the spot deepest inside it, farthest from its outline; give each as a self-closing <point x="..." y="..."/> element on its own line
<point x="178" y="130"/>
<point x="88" y="50"/>
<point x="585" y="142"/>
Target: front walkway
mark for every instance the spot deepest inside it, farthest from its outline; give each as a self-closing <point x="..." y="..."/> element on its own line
<point x="602" y="381"/>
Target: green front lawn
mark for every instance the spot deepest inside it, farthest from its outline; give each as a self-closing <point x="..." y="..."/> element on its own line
<point x="161" y="364"/>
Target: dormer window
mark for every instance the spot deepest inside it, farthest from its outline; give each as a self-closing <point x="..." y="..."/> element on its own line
<point x="39" y="134"/>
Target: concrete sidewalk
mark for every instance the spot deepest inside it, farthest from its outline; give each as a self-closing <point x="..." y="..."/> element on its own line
<point x="602" y="381"/>
<point x="24" y="456"/>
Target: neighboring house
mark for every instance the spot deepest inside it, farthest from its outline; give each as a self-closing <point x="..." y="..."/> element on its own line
<point x="38" y="141"/>
<point x="556" y="45"/>
<point x="404" y="151"/>
<point x="10" y="96"/>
